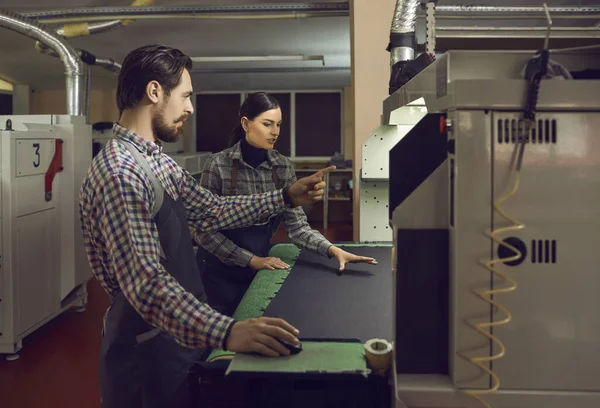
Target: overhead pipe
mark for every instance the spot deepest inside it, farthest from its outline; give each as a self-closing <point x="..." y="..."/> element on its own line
<point x="87" y="92"/>
<point x="85" y="28"/>
<point x="516" y="10"/>
<point x="448" y="12"/>
<point x="79" y="29"/>
<point x="82" y="29"/>
<point x="403" y="65"/>
<point x="275" y="11"/>
<point x="270" y="70"/>
<point x="261" y="58"/>
<point x="89" y="59"/>
<point x="242" y="11"/>
<point x="74" y="69"/>
<point x="402" y="33"/>
<point x="109" y="64"/>
<point x="86" y="57"/>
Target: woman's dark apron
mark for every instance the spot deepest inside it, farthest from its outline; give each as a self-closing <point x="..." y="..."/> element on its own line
<point x="226" y="285"/>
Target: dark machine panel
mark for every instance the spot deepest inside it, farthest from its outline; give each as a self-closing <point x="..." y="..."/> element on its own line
<point x="416" y="156"/>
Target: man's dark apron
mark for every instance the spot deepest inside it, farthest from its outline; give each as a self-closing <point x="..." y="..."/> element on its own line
<point x="142" y="366"/>
<point x="226" y="285"/>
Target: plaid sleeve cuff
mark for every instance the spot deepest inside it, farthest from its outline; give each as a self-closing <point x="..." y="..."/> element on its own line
<point x="243" y="258"/>
<point x="276" y="200"/>
<point x="221" y="326"/>
<point x="323" y="247"/>
<point x="226" y="337"/>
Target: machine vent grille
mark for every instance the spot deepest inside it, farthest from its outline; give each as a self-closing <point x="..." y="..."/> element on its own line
<point x="543" y="251"/>
<point x="543" y="131"/>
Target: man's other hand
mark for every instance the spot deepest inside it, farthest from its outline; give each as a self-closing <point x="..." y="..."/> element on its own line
<point x="308" y="190"/>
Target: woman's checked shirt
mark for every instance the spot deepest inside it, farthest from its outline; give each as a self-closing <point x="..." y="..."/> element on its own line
<point x="217" y="177"/>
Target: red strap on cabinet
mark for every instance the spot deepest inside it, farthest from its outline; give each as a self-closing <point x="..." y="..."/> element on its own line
<point x="56" y="165"/>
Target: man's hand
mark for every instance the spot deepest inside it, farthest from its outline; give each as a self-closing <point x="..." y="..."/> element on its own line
<point x="308" y="190"/>
<point x="257" y="263"/>
<point x="260" y="335"/>
<point x="344" y="257"/>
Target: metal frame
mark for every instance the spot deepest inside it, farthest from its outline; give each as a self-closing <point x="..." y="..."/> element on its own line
<point x="433" y="12"/>
<point x="490" y="80"/>
<point x="516" y="32"/>
<point x="374" y="174"/>
<point x="516" y="12"/>
<point x="476" y="89"/>
<point x="22" y="198"/>
<point x="292" y="157"/>
<point x="295" y="10"/>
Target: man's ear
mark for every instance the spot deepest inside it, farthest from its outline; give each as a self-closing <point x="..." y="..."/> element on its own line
<point x="153" y="91"/>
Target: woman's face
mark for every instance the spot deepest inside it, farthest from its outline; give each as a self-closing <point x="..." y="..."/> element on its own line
<point x="263" y="131"/>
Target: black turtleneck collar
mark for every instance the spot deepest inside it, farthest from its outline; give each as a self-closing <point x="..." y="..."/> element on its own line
<point x="254" y="156"/>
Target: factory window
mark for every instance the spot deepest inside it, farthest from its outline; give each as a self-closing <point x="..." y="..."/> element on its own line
<point x="318" y="124"/>
<point x="6" y="101"/>
<point x="312" y="121"/>
<point x="216" y="116"/>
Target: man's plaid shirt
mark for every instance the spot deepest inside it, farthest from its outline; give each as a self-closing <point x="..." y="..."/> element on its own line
<point x="217" y="177"/>
<point x="122" y="242"/>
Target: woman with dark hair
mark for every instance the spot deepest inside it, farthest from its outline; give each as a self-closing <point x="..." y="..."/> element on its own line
<point x="229" y="259"/>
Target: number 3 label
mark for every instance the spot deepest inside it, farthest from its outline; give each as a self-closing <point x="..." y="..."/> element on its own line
<point x="36" y="148"/>
<point x="33" y="156"/>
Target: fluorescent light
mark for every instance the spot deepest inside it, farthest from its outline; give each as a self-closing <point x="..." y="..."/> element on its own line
<point x="5" y="86"/>
<point x="260" y="58"/>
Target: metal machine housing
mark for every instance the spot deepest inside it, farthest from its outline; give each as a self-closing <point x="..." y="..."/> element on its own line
<point x="44" y="268"/>
<point x="445" y="176"/>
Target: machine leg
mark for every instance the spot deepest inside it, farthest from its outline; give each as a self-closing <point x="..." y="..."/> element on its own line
<point x="81" y="302"/>
<point x="15" y="356"/>
<point x="12" y="357"/>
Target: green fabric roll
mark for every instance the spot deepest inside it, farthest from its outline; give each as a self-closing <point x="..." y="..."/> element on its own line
<point x="265" y="286"/>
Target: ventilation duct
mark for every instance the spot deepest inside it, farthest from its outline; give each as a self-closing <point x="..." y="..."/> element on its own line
<point x="402" y="32"/>
<point x="89" y="59"/>
<point x="81" y="29"/>
<point x="74" y="69"/>
<point x="237" y="11"/>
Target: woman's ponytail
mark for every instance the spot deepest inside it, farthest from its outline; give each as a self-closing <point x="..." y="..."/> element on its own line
<point x="236" y="135"/>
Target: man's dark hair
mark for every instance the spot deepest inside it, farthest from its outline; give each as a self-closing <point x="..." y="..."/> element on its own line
<point x="149" y="63"/>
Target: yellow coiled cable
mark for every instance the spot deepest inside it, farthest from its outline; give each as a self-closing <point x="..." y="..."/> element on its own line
<point x="488" y="295"/>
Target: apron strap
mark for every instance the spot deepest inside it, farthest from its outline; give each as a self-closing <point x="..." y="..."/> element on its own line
<point x="275" y="177"/>
<point x="158" y="188"/>
<point x="234" y="177"/>
<point x="159" y="191"/>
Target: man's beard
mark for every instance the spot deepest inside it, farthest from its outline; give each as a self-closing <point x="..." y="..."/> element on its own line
<point x="164" y="132"/>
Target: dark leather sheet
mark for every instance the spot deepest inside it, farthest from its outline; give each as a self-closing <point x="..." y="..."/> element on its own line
<point x="355" y="306"/>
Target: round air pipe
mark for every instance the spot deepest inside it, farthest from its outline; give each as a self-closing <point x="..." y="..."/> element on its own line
<point x="402" y="33"/>
<point x="74" y="70"/>
<point x="403" y="65"/>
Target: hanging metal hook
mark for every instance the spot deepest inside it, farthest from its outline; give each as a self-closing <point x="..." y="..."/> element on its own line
<point x="548" y="26"/>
